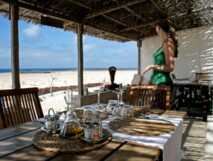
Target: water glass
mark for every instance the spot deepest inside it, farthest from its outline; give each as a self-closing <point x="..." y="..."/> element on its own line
<point x="68" y="98"/>
<point x="98" y="97"/>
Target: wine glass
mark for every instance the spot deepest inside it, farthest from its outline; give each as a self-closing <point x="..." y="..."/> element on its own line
<point x="68" y="98"/>
<point x="119" y="93"/>
<point x="118" y="97"/>
<point x="98" y="97"/>
<point x="121" y="96"/>
<point x="100" y="106"/>
<point x="103" y="84"/>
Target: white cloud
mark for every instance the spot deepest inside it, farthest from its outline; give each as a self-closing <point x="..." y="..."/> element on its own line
<point x="90" y="47"/>
<point x="32" y="30"/>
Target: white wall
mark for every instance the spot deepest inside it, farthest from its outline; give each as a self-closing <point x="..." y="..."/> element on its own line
<point x="195" y="51"/>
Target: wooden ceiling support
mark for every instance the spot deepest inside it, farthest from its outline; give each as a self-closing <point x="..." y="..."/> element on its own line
<point x="133" y="13"/>
<point x="14" y="14"/>
<point x="105" y="16"/>
<point x="158" y="8"/>
<point x="69" y="18"/>
<point x="80" y="30"/>
<point x="139" y="45"/>
<point x="170" y="17"/>
<point x="113" y="8"/>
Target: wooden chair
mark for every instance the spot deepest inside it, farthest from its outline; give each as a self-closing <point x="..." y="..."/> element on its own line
<point x="149" y="96"/>
<point x="18" y="106"/>
<point x="195" y="98"/>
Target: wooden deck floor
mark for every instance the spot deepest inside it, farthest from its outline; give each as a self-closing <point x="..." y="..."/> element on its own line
<point x="194" y="139"/>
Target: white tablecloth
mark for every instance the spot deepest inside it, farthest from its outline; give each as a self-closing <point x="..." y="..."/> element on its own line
<point x="169" y="143"/>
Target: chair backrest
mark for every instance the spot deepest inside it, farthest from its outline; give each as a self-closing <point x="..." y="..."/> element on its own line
<point x="149" y="96"/>
<point x="18" y="106"/>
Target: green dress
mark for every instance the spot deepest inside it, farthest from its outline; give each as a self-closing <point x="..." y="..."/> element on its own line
<point x="160" y="77"/>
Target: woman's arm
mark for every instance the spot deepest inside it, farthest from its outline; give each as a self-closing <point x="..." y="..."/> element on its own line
<point x="148" y="68"/>
<point x="169" y="54"/>
<point x="168" y="48"/>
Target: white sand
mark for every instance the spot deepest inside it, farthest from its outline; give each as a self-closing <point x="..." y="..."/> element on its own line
<point x="63" y="78"/>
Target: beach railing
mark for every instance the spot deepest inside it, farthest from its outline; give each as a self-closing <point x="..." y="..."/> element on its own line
<point x="105" y="96"/>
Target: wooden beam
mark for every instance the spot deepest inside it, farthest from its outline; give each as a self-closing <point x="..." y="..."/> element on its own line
<point x="76" y="2"/>
<point x="112" y="8"/>
<point x="139" y="45"/>
<point x="108" y="17"/>
<point x="133" y="13"/>
<point x="49" y="12"/>
<point x="158" y="8"/>
<point x="105" y="16"/>
<point x="115" y="20"/>
<point x="126" y="36"/>
<point x="140" y="25"/>
<point x="80" y="60"/>
<point x="14" y="13"/>
<point x="67" y="18"/>
<point x="119" y="22"/>
<point x="170" y="18"/>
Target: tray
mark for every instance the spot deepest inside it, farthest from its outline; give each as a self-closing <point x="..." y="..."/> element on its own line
<point x="55" y="143"/>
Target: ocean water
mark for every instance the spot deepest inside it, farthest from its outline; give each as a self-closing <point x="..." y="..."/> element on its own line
<point x="37" y="70"/>
<point x="49" y="70"/>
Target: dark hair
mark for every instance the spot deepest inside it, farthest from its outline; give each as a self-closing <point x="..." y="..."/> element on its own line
<point x="164" y="24"/>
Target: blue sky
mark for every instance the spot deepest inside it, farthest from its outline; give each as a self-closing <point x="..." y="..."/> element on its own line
<point x="47" y="47"/>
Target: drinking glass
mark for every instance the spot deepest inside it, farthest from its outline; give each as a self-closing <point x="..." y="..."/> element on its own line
<point x="121" y="95"/>
<point x="118" y="97"/>
<point x="68" y="98"/>
<point x="98" y="97"/>
<point x="103" y="84"/>
<point x="100" y="106"/>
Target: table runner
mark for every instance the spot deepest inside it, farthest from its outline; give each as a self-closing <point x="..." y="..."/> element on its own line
<point x="170" y="143"/>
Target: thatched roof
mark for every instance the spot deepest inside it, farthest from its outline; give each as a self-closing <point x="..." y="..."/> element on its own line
<point x="120" y="20"/>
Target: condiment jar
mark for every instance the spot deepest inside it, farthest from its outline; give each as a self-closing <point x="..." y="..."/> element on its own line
<point x="92" y="125"/>
<point x="51" y="120"/>
<point x="88" y="132"/>
<point x="97" y="131"/>
<point x="71" y="126"/>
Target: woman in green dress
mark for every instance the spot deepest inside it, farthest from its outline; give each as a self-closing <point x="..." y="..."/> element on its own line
<point x="164" y="57"/>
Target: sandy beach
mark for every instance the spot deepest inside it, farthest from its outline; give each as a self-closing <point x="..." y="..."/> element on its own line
<point x="65" y="78"/>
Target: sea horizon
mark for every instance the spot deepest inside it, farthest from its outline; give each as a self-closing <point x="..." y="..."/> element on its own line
<point x="48" y="70"/>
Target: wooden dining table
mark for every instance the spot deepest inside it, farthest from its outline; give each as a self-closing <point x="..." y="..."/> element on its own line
<point x="16" y="145"/>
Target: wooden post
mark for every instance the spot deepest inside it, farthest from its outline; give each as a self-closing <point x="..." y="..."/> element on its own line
<point x="14" y="13"/>
<point x="80" y="62"/>
<point x="139" y="45"/>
